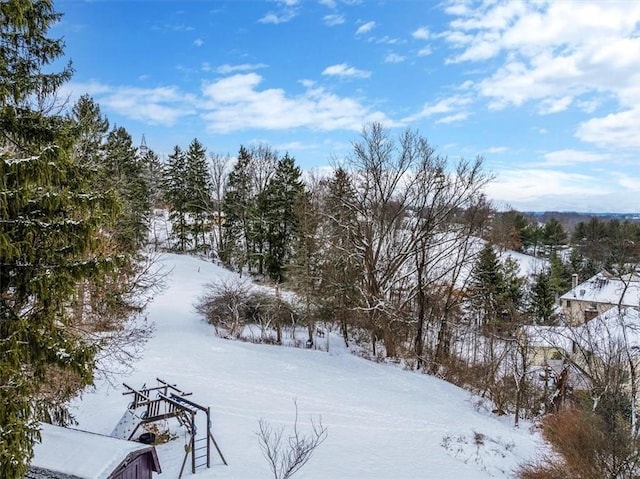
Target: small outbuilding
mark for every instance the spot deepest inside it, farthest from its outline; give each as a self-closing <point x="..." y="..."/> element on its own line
<point x="65" y="453"/>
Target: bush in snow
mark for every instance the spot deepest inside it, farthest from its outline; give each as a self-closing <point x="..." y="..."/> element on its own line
<point x="232" y="306"/>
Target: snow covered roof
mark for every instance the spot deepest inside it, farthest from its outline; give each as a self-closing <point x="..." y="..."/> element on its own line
<point x="603" y="335"/>
<point x="605" y="288"/>
<point x="84" y="455"/>
<point x="549" y="337"/>
<point x="606" y="332"/>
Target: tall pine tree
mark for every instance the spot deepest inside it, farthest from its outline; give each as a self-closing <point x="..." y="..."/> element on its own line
<point x="281" y="196"/>
<point x="176" y="196"/>
<point x="125" y="175"/>
<point x="340" y="271"/>
<point x="50" y="223"/>
<point x="237" y="203"/>
<point x="198" y="188"/>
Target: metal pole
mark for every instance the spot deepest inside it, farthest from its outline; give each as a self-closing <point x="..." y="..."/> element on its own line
<point x="193" y="443"/>
<point x="207" y="438"/>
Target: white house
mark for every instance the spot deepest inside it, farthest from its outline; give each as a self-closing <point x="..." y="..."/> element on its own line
<point x="599" y="294"/>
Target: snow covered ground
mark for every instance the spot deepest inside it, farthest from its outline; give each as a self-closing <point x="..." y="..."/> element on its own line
<point x="383" y="422"/>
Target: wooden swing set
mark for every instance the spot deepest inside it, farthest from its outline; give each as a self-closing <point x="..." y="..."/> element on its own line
<point x="170" y="402"/>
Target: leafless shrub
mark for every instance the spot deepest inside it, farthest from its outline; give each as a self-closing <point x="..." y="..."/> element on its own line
<point x="287" y="456"/>
<point x="270" y="312"/>
<point x="224" y="305"/>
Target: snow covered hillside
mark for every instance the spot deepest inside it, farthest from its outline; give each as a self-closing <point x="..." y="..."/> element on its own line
<point x="382" y="422"/>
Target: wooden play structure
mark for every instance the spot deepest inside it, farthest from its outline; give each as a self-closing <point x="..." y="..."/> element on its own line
<point x="170" y="402"/>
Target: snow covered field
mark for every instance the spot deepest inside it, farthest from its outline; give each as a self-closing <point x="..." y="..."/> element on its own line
<point x="382" y="422"/>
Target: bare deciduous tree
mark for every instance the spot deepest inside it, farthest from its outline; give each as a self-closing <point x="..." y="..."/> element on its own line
<point x="219" y="170"/>
<point x="287" y="456"/>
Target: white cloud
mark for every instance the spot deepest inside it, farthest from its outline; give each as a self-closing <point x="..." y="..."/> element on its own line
<point x="243" y="67"/>
<point x="286" y="13"/>
<point x="236" y="103"/>
<point x="497" y="150"/>
<point x="555" y="105"/>
<point x="558" y="55"/>
<point x="333" y="19"/>
<point x="328" y="3"/>
<point x="455" y="118"/>
<point x="365" y="28"/>
<point x="553" y="190"/>
<point x="198" y="42"/>
<point x="454" y="109"/>
<point x="295" y="145"/>
<point x="421" y="33"/>
<point x="387" y="40"/>
<point x="628" y="182"/>
<point x="425" y="51"/>
<point x="573" y="157"/>
<point x="617" y="130"/>
<point x="345" y="71"/>
<point x="275" y="19"/>
<point x="394" y="58"/>
<point x="161" y="105"/>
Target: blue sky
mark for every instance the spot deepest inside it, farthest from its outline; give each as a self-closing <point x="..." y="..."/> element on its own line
<point x="547" y="92"/>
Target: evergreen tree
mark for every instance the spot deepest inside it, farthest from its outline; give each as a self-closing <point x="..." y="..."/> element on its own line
<point x="496" y="291"/>
<point x="303" y="271"/>
<point x="154" y="178"/>
<point x="560" y="276"/>
<point x="92" y="129"/>
<point x="50" y="232"/>
<point x="198" y="187"/>
<point x="176" y="195"/>
<point x="125" y="174"/>
<point x="237" y="203"/>
<point x="542" y="298"/>
<point x="339" y="267"/>
<point x="532" y="237"/>
<point x="512" y="291"/>
<point x="485" y="287"/>
<point x="553" y="234"/>
<point x="281" y="195"/>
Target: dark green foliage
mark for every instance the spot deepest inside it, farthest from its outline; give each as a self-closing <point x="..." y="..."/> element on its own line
<point x="50" y="221"/>
<point x="610" y="245"/>
<point x="176" y="195"/>
<point x="237" y="203"/>
<point x="553" y="234"/>
<point x="25" y="89"/>
<point x="91" y="130"/>
<point x="154" y="177"/>
<point x="560" y="276"/>
<point x="197" y="188"/>
<point x="280" y="197"/>
<point x="496" y="292"/>
<point x="542" y="299"/>
<point x="50" y="234"/>
<point x="124" y="173"/>
<point x="532" y="237"/>
<point x="339" y="267"/>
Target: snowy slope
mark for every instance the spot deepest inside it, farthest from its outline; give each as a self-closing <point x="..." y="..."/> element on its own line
<point x="382" y="422"/>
